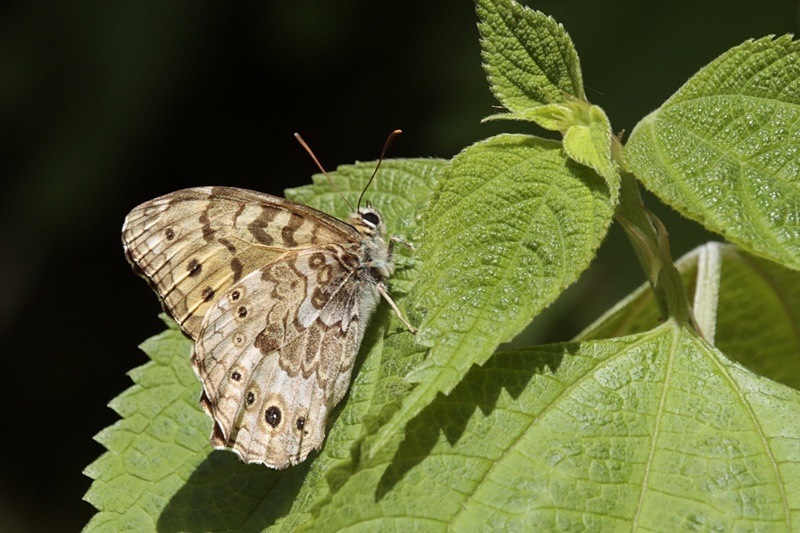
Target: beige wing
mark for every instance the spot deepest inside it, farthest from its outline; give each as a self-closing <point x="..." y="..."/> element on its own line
<point x="193" y="244"/>
<point x="277" y="350"/>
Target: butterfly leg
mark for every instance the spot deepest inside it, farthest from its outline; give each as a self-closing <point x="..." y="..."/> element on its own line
<point x="397" y="240"/>
<point x="385" y="294"/>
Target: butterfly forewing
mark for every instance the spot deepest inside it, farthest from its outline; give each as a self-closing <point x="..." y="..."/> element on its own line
<point x="193" y="244"/>
<point x="276" y="296"/>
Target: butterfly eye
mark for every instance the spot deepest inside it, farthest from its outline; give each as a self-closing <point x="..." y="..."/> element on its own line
<point x="371" y="218"/>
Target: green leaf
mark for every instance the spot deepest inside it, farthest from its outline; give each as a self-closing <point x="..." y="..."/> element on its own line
<point x="553" y="117"/>
<point x="534" y="71"/>
<point x="657" y="431"/>
<point x="588" y="141"/>
<point x="160" y="440"/>
<point x="724" y="149"/>
<point x="586" y="130"/>
<point x="753" y="303"/>
<point x="529" y="59"/>
<point x="764" y="333"/>
<point x="512" y="223"/>
<point x="160" y="471"/>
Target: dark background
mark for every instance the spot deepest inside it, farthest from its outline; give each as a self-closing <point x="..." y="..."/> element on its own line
<point x="108" y="104"/>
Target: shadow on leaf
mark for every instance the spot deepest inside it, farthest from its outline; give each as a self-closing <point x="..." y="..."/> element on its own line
<point x="511" y="371"/>
<point x="224" y="494"/>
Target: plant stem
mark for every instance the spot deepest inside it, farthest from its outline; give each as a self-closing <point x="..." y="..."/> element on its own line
<point x="650" y="241"/>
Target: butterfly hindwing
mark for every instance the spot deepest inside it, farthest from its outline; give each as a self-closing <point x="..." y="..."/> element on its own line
<point x="277" y="350"/>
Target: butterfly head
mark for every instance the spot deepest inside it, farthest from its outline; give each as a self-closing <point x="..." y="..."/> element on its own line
<point x="376" y="256"/>
<point x="368" y="221"/>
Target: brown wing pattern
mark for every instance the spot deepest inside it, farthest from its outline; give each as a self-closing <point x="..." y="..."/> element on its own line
<point x="193" y="244"/>
<point x="277" y="350"/>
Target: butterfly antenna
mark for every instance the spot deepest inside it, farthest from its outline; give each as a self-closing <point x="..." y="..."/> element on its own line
<point x="335" y="188"/>
<point x="392" y="135"/>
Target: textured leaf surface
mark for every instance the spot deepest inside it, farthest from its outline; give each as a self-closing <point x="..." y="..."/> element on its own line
<point x="513" y="222"/>
<point x="160" y="472"/>
<point x="588" y="141"/>
<point x="725" y="149"/>
<point x="529" y="59"/>
<point x="160" y="440"/>
<point x="534" y="71"/>
<point x="657" y="431"/>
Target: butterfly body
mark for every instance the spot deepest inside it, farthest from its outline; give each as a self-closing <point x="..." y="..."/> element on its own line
<point x="276" y="296"/>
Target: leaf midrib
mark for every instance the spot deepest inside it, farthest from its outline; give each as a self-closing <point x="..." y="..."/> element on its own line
<point x="657" y="425"/>
<point x="565" y="393"/>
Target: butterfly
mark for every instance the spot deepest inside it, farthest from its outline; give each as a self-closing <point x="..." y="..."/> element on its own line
<point x="276" y="296"/>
